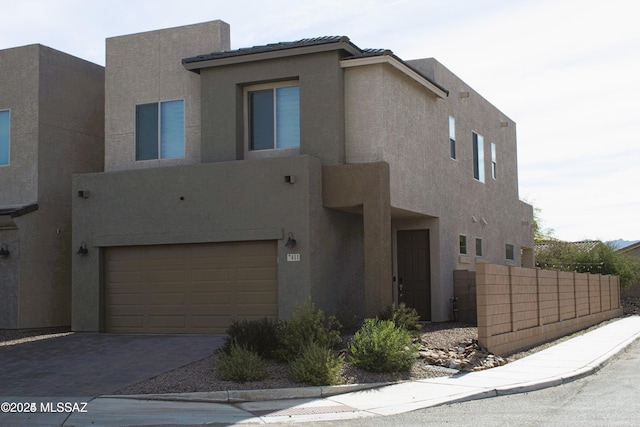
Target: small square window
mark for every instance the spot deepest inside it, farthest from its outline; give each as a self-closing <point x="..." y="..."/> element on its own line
<point x="463" y="245"/>
<point x="509" y="252"/>
<point x="5" y="119"/>
<point x="160" y="130"/>
<point x="478" y="247"/>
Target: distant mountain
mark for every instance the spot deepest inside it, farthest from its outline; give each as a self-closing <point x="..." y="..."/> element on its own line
<point x="620" y="243"/>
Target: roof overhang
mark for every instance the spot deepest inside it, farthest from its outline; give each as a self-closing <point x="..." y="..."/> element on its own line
<point x="400" y="66"/>
<point x="194" y="64"/>
<point x="18" y="210"/>
<point x="8" y="213"/>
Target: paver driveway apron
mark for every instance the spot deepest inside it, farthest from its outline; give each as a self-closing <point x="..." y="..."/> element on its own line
<point x="91" y="364"/>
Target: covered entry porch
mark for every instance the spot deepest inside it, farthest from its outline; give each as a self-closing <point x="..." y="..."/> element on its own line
<point x="400" y="260"/>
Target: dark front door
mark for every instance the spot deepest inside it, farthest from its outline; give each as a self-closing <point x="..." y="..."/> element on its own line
<point x="414" y="271"/>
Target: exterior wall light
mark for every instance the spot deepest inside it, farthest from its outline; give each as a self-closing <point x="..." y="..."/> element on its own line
<point x="291" y="242"/>
<point x="4" y="250"/>
<point x="83" y="249"/>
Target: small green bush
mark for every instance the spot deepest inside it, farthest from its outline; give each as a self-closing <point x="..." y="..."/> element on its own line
<point x="316" y="365"/>
<point x="403" y="317"/>
<point x="306" y="325"/>
<point x="381" y="346"/>
<point x="240" y="365"/>
<point x="259" y="336"/>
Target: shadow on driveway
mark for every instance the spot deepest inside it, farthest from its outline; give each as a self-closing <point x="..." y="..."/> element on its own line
<point x="91" y="364"/>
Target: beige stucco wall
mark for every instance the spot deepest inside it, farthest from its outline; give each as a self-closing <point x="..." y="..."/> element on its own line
<point x="390" y="117"/>
<point x="19" y="69"/>
<point x="57" y="125"/>
<point x="147" y="67"/>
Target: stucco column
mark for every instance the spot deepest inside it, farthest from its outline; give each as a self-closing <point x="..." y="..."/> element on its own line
<point x="377" y="252"/>
<point x="366" y="185"/>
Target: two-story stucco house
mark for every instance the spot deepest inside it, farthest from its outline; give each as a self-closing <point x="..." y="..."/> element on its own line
<point x="239" y="183"/>
<point x="51" y="127"/>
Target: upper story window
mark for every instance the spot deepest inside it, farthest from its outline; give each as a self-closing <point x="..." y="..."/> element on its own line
<point x="452" y="137"/>
<point x="463" y="245"/>
<point x="478" y="157"/>
<point x="5" y="116"/>
<point x="494" y="162"/>
<point x="273" y="116"/>
<point x="160" y="130"/>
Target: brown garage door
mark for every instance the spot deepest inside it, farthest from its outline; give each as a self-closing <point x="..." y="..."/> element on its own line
<point x="195" y="288"/>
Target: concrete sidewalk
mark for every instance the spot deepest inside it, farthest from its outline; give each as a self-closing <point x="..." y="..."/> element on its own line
<point x="570" y="360"/>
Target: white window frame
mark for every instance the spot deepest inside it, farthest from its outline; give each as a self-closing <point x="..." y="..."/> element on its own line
<point x="479" y="253"/>
<point x="273" y="152"/>
<point x="452" y="138"/>
<point x="159" y="109"/>
<point x="506" y="251"/>
<point x="8" y="139"/>
<point x="466" y="244"/>
<point x="494" y="161"/>
<point x="478" y="159"/>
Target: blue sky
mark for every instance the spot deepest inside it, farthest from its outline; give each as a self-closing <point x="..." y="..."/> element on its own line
<point x="565" y="70"/>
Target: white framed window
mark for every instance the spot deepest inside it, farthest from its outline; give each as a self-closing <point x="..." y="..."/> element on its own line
<point x="5" y="136"/>
<point x="478" y="247"/>
<point x="160" y="130"/>
<point x="478" y="157"/>
<point x="272" y="118"/>
<point x="494" y="162"/>
<point x="509" y="252"/>
<point x="452" y="137"/>
<point x="463" y="245"/>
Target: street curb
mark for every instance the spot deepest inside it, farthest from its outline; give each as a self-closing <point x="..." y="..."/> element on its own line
<point x="587" y="370"/>
<point x="240" y="396"/>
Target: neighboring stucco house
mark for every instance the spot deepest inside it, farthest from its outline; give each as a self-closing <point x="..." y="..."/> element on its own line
<point x="51" y="127"/>
<point x="240" y="183"/>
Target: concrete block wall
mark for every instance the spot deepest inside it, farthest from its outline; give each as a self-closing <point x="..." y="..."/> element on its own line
<point x="521" y="307"/>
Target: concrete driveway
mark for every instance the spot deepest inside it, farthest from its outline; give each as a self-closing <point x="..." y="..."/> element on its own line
<point x="91" y="364"/>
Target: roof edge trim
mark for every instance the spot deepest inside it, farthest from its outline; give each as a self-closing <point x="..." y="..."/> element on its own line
<point x="280" y="53"/>
<point x="399" y="65"/>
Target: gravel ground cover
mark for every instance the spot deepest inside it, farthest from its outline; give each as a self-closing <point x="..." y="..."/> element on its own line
<point x="443" y="346"/>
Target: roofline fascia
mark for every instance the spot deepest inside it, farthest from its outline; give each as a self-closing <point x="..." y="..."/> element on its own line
<point x="399" y="65"/>
<point x="629" y="248"/>
<point x="281" y="53"/>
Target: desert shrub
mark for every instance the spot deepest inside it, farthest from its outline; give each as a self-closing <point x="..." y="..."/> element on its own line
<point x="316" y="365"/>
<point x="240" y="365"/>
<point x="403" y="317"/>
<point x="259" y="336"/>
<point x="307" y="324"/>
<point x="381" y="346"/>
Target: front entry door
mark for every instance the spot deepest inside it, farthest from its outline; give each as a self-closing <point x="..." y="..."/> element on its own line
<point x="414" y="271"/>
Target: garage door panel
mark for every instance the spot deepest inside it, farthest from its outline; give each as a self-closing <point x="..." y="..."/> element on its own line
<point x="123" y="276"/>
<point x="126" y="299"/>
<point x="257" y="273"/>
<point x="167" y="321"/>
<point x="211" y="298"/>
<point x="162" y="275"/>
<point x="128" y="322"/>
<point x="167" y="299"/>
<point x="210" y="275"/>
<point x="208" y="322"/>
<point x="196" y="288"/>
